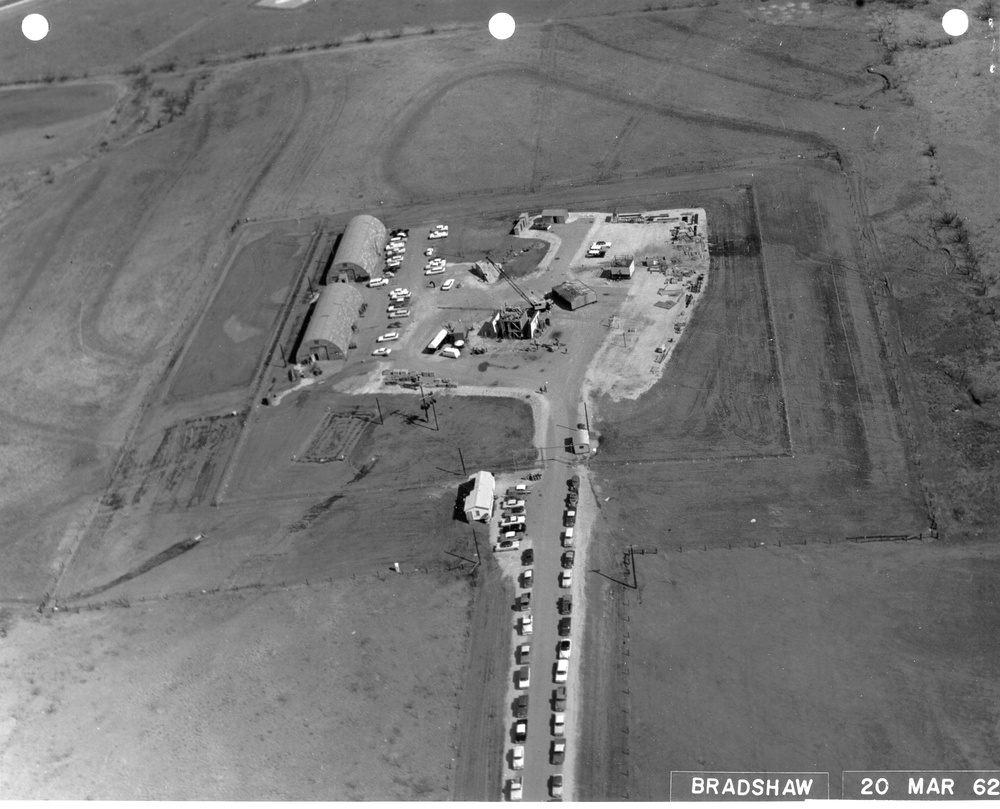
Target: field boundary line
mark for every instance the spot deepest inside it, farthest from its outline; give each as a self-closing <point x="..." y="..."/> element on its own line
<point x="776" y="350"/>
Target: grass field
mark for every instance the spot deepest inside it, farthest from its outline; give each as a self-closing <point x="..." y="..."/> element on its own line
<point x="291" y="694"/>
<point x="848" y="664"/>
<point x="231" y="339"/>
<point x="115" y="231"/>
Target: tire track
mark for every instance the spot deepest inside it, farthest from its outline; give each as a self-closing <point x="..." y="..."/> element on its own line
<point x="550" y="50"/>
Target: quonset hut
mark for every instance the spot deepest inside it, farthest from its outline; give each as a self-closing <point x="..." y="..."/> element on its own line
<point x="360" y="249"/>
<point x="329" y="331"/>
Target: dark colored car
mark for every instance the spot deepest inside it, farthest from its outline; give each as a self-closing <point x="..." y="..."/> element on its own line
<point x="564" y="627"/>
<point x="559" y="699"/>
<point x="568" y="558"/>
<point x="566" y="605"/>
<point x="528" y="557"/>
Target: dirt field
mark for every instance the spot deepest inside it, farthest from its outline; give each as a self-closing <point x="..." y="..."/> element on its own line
<point x="850" y="664"/>
<point x="286" y="694"/>
<point x="842" y="381"/>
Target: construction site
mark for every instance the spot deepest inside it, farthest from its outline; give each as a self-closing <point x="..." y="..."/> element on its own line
<point x="495" y="399"/>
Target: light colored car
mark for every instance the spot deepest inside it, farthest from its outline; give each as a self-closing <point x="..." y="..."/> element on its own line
<point x="567" y="539"/>
<point x="381" y="352"/>
<point x="521" y="730"/>
<point x="447" y="284"/>
<point x="434" y="270"/>
<point x="515" y="789"/>
<point x="524" y="654"/>
<point x="563" y="648"/>
<point x="557" y="751"/>
<point x="378" y="282"/>
<point x="518" y="519"/>
<point x="528" y="577"/>
<point x="559" y="724"/>
<point x="517" y="759"/>
<point x="389" y="336"/>
<point x="507" y="545"/>
<point x="527" y="625"/>
<point x="562" y="671"/>
<point x="524" y="677"/>
<point x="512" y="503"/>
<point x="400" y="313"/>
<point x="429" y="251"/>
<point x="400" y="291"/>
<point x="600" y="245"/>
<point x="566" y="579"/>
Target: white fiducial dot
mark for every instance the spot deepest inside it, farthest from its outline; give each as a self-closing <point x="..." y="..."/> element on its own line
<point x="955" y="22"/>
<point x="502" y="25"/>
<point x="34" y="27"/>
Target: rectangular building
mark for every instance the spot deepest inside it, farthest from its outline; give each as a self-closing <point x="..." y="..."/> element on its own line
<point x="479" y="502"/>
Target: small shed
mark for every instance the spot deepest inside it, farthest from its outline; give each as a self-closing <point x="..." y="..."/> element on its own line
<point x="522" y="224"/>
<point x="623" y="269"/>
<point x="554" y="216"/>
<point x="581" y="442"/>
<point x="575" y="294"/>
<point x="479" y="502"/>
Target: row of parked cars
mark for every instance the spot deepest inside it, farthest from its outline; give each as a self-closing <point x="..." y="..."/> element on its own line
<point x="564" y="649"/>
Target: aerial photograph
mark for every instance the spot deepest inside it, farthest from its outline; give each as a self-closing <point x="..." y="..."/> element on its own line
<point x="459" y="400"/>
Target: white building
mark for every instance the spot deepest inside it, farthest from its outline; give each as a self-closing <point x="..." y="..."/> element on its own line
<point x="479" y="502"/>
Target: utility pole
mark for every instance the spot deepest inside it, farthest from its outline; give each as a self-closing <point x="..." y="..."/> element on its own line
<point x="433" y="400"/>
<point x="586" y="416"/>
<point x="381" y="420"/>
<point x="464" y="471"/>
<point x="284" y="359"/>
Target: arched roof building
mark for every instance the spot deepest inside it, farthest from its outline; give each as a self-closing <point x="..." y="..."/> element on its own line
<point x="329" y="331"/>
<point x="360" y="249"/>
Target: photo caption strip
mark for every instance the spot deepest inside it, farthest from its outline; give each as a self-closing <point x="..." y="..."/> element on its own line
<point x="689" y="785"/>
<point x="921" y="785"/>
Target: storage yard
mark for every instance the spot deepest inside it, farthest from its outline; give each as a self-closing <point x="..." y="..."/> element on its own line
<point x="497" y="401"/>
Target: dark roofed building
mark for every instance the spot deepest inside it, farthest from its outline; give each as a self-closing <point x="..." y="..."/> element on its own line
<point x="575" y="294"/>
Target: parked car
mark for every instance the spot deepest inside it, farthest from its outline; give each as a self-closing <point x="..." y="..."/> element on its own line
<point x="512" y="503"/>
<point x="565" y="605"/>
<point x="569" y="518"/>
<point x="387" y="337"/>
<point x="515" y="520"/>
<point x="562" y="671"/>
<point x="567" y="539"/>
<point x="559" y="698"/>
<point x="400" y="313"/>
<point x="568" y="558"/>
<point x="565" y="626"/>
<point x="517" y="758"/>
<point x="528" y="577"/>
<point x="524" y="601"/>
<point x="559" y="721"/>
<point x="447" y="284"/>
<point x="566" y="579"/>
<point x="563" y="648"/>
<point x="528" y="557"/>
<point x="515" y="789"/>
<point x="429" y="251"/>
<point x="400" y="291"/>
<point x="378" y="282"/>
<point x="506" y="545"/>
<point x="521" y="706"/>
<point x="434" y="270"/>
<point x="524" y="653"/>
<point x="556" y="786"/>
<point x="526" y="624"/>
<point x="381" y="352"/>
<point x="557" y="751"/>
<point x="521" y="730"/>
<point x="524" y="677"/>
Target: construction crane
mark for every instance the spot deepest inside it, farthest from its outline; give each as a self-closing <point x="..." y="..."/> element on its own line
<point x="531" y="300"/>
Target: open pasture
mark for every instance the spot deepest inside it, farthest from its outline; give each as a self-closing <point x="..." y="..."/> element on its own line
<point x="812" y="658"/>
<point x="231" y="338"/>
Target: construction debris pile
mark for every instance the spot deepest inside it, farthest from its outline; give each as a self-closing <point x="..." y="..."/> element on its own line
<point x="415" y="379"/>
